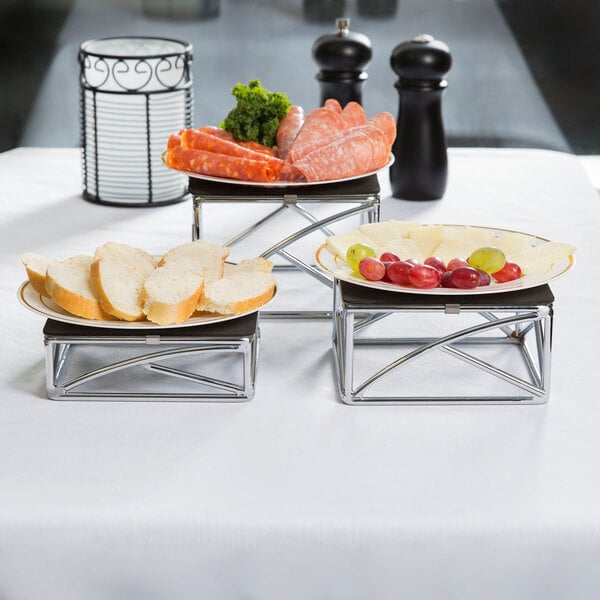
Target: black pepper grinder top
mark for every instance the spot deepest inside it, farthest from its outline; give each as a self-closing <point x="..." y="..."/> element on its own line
<point x="420" y="169"/>
<point x="343" y="57"/>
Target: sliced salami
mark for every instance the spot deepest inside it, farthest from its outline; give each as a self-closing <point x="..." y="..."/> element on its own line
<point x="220" y="165"/>
<point x="289" y="173"/>
<point x="251" y="145"/>
<point x="288" y="130"/>
<point x="319" y="123"/>
<point x="333" y="104"/>
<point x="201" y="139"/>
<point x="386" y="122"/>
<point x="174" y="140"/>
<point x="354" y="114"/>
<point x="362" y="150"/>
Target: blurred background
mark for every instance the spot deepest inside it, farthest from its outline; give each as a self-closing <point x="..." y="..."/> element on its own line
<point x="525" y="73"/>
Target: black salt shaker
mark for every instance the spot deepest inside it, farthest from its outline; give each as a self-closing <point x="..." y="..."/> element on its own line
<point x="343" y="57"/>
<point x="420" y="169"/>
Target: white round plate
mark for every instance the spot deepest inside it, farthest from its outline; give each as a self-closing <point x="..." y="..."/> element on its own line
<point x="48" y="308"/>
<point x="332" y="265"/>
<point x="278" y="184"/>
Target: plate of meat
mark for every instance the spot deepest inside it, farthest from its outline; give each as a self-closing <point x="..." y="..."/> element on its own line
<point x="329" y="145"/>
<point x="281" y="183"/>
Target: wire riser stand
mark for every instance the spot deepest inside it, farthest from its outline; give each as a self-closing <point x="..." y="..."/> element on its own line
<point x="354" y="199"/>
<point x="156" y="366"/>
<point x="524" y="329"/>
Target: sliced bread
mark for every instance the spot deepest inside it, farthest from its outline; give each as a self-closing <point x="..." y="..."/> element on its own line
<point x="118" y="288"/>
<point x="69" y="284"/>
<point x="248" y="265"/>
<point x="134" y="258"/>
<point x="200" y="256"/>
<point x="171" y="293"/>
<point x="35" y="267"/>
<point x="238" y="293"/>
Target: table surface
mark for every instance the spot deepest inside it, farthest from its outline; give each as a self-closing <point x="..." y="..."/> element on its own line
<point x="295" y="495"/>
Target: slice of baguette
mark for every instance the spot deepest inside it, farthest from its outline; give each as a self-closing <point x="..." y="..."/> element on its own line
<point x="198" y="256"/>
<point x="35" y="267"/>
<point x="118" y="288"/>
<point x="238" y="293"/>
<point x="134" y="258"/>
<point x="248" y="265"/>
<point x="69" y="284"/>
<point x="171" y="293"/>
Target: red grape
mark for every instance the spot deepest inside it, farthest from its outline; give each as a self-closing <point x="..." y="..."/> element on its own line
<point x="509" y="272"/>
<point x="371" y="269"/>
<point x="436" y="263"/>
<point x="465" y="278"/>
<point x="446" y="281"/>
<point x="398" y="271"/>
<point x="484" y="278"/>
<point x="455" y="263"/>
<point x="412" y="261"/>
<point x="424" y="277"/>
<point x="386" y="277"/>
<point x="389" y="257"/>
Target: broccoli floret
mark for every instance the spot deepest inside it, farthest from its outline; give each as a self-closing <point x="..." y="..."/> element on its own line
<point x="257" y="113"/>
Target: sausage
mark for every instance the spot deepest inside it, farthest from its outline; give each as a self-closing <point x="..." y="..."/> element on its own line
<point x="174" y="140"/>
<point x="289" y="173"/>
<point x="383" y="121"/>
<point x="288" y="129"/>
<point x="386" y="122"/>
<point x="201" y="139"/>
<point x="220" y="165"/>
<point x="354" y="114"/>
<point x="319" y="123"/>
<point x="250" y="144"/>
<point x="333" y="105"/>
<point x="362" y="149"/>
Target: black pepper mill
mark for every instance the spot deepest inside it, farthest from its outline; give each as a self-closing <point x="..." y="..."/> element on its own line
<point x="342" y="56"/>
<point x="420" y="169"/>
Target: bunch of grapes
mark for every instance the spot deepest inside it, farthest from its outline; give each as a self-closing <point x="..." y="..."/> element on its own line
<point x="478" y="269"/>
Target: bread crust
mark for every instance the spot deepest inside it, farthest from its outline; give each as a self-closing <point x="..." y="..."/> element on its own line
<point x="76" y="304"/>
<point x="37" y="281"/>
<point x="237" y="307"/>
<point x="249" y="304"/>
<point x="103" y="298"/>
<point x="35" y="268"/>
<point x="166" y="313"/>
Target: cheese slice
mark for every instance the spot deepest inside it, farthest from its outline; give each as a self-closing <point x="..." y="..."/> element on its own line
<point x="339" y="244"/>
<point x="450" y="248"/>
<point x="481" y="237"/>
<point x="541" y="258"/>
<point x="404" y="249"/>
<point x="379" y="233"/>
<point x="513" y="244"/>
<point x="401" y="228"/>
<point x="427" y="238"/>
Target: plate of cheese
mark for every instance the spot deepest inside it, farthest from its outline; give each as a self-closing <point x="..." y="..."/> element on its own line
<point x="540" y="260"/>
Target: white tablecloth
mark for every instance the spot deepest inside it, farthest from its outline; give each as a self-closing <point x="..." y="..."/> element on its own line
<point x="295" y="495"/>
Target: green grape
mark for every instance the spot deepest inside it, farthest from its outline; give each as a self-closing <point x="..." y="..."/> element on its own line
<point x="356" y="253"/>
<point x="487" y="259"/>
